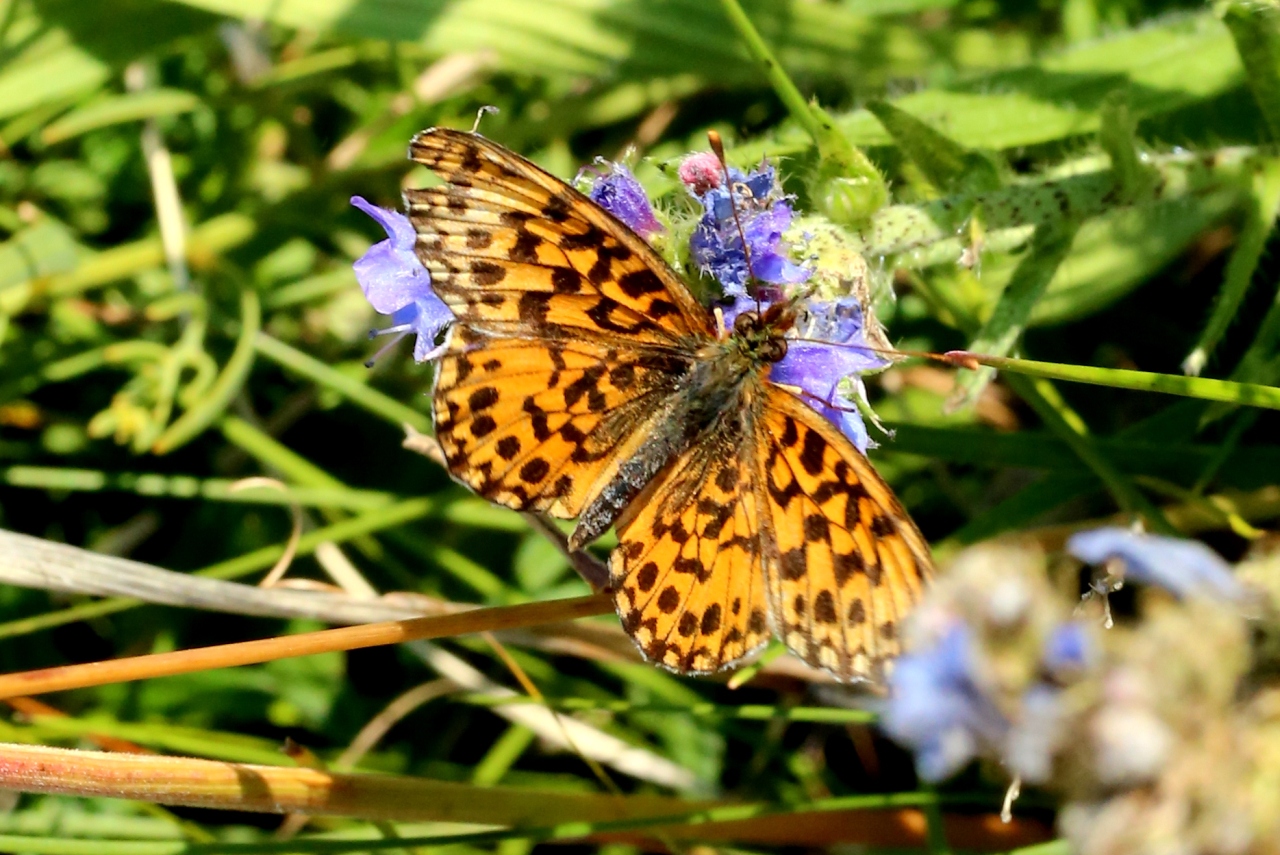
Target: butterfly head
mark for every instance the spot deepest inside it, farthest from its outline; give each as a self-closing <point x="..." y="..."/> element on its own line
<point x="761" y="334"/>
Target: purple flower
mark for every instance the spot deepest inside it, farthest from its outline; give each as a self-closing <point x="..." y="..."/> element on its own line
<point x="1067" y="650"/>
<point x="717" y="243"/>
<point x="619" y="193"/>
<point x="937" y="708"/>
<point x="396" y="284"/>
<point x="1182" y="567"/>
<point x="834" y="347"/>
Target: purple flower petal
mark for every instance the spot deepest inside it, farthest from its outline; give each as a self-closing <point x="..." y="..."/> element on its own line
<point x="619" y="193"/>
<point x="1068" y="649"/>
<point x="836" y="347"/>
<point x="1034" y="739"/>
<point x="1182" y="567"/>
<point x="936" y="709"/>
<point x="395" y="283"/>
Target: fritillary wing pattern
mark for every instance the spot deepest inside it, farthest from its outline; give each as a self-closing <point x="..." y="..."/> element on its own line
<point x="515" y="251"/>
<point x="687" y="576"/>
<point x="538" y="425"/>
<point x="843" y="561"/>
<point x="570" y="328"/>
<point x="583" y="379"/>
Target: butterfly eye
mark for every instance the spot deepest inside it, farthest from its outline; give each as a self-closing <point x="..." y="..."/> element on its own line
<point x="746" y="324"/>
<point x="774" y="349"/>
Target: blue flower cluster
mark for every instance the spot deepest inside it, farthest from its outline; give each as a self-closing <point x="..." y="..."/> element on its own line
<point x="992" y="655"/>
<point x="943" y="706"/>
<point x="1185" y="568"/>
<point x="738" y="241"/>
<point x="743" y="246"/>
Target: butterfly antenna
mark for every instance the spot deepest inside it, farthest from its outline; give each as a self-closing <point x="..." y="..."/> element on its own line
<point x="954" y="358"/>
<point x="717" y="146"/>
<point x="480" y="114"/>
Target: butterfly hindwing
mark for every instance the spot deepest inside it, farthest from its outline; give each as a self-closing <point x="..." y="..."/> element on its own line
<point x="843" y="561"/>
<point x="687" y="574"/>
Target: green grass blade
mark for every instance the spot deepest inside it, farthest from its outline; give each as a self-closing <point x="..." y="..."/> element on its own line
<point x="1245" y="394"/>
<point x="351" y="389"/>
<point x="1260" y="215"/>
<point x="233" y="376"/>
<point x="118" y="109"/>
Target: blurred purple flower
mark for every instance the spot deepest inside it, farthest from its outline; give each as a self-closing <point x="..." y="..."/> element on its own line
<point x="1068" y="649"/>
<point x="1182" y="567"/>
<point x="618" y="192"/>
<point x="717" y="244"/>
<point x="395" y="283"/>
<point x="937" y="709"/>
<point x="1035" y="737"/>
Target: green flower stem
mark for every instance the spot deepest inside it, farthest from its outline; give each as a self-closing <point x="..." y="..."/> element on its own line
<point x="852" y="188"/>
<point x="935" y="827"/>
<point x="188" y="487"/>
<point x="194" y="421"/>
<point x="353" y="390"/>
<point x="389" y="517"/>
<point x="800" y="109"/>
<point x="1250" y="394"/>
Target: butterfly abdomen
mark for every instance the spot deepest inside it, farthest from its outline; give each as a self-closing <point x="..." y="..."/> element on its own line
<point x="712" y="391"/>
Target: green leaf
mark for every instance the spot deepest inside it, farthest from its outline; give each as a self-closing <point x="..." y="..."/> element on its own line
<point x="1255" y="27"/>
<point x="117" y="109"/>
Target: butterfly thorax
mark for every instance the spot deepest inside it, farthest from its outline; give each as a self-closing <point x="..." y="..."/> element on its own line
<point x="716" y="395"/>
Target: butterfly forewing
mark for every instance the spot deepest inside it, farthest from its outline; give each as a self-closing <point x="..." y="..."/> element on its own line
<point x="515" y="251"/>
<point x="568" y="326"/>
<point x="844" y="562"/>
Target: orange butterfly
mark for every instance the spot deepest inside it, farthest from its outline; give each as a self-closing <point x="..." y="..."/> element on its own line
<point x="583" y="379"/>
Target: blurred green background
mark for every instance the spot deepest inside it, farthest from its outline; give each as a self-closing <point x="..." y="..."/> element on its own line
<point x="178" y="311"/>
